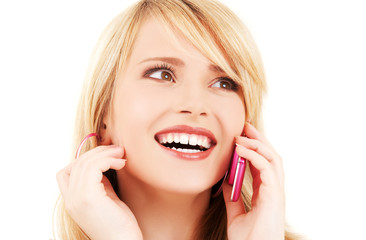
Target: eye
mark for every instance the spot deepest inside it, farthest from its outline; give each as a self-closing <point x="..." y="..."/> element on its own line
<point x="226" y="83"/>
<point x="163" y="75"/>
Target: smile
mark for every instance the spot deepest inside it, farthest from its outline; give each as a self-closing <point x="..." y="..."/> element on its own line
<point x="186" y="142"/>
<point x="183" y="142"/>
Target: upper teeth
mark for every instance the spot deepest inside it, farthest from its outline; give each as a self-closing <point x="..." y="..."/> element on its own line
<point x="184" y="138"/>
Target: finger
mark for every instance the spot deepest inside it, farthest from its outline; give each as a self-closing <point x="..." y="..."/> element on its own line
<point x="91" y="158"/>
<point x="264" y="173"/>
<point x="85" y="178"/>
<point x="100" y="151"/>
<point x="89" y="167"/>
<point x="251" y="132"/>
<point x="260" y="144"/>
<point x="263" y="150"/>
<point x="93" y="172"/>
<point x="233" y="209"/>
<point x="94" y="150"/>
<point x="258" y="147"/>
<point x="115" y="151"/>
<point x="258" y="161"/>
<point x="62" y="178"/>
<point x="111" y="163"/>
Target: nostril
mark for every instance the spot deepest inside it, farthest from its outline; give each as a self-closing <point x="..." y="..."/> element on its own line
<point x="185" y="111"/>
<point x="189" y="112"/>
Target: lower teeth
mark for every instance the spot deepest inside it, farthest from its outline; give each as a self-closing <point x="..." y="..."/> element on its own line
<point x="186" y="150"/>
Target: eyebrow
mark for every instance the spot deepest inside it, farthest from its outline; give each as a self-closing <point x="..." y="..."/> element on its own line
<point x="179" y="62"/>
<point x="171" y="60"/>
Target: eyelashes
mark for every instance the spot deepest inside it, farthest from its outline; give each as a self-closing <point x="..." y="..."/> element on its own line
<point x="226" y="83"/>
<point x="167" y="73"/>
<point x="159" y="67"/>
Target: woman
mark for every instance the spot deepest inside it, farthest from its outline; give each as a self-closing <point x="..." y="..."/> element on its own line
<point x="171" y="89"/>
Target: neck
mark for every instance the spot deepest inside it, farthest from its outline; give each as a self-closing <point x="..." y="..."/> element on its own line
<point x="163" y="214"/>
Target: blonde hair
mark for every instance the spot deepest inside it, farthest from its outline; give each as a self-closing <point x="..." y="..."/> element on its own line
<point x="220" y="36"/>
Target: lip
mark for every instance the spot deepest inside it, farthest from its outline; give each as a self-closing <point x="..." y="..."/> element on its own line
<point x="189" y="130"/>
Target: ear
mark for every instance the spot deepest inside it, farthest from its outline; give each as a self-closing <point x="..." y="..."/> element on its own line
<point x="105" y="137"/>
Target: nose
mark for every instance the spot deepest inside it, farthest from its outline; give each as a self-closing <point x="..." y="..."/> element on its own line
<point x="193" y="100"/>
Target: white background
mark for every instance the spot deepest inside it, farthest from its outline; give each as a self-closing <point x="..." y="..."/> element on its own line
<point x="315" y="59"/>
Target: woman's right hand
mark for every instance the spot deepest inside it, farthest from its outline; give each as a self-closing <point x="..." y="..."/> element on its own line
<point x="90" y="199"/>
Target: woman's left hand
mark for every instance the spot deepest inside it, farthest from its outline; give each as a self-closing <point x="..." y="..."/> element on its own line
<point x="266" y="219"/>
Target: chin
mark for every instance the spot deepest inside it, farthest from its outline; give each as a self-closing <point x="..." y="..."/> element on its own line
<point x="178" y="182"/>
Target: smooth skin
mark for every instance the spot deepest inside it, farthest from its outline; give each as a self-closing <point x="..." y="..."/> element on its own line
<point x="92" y="203"/>
<point x="154" y="204"/>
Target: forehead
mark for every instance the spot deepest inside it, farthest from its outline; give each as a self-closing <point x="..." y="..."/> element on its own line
<point x="157" y="39"/>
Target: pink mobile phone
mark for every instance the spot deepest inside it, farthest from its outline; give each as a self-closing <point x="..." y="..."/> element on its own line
<point x="236" y="175"/>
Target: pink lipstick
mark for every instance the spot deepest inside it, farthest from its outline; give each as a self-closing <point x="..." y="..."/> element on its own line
<point x="185" y="142"/>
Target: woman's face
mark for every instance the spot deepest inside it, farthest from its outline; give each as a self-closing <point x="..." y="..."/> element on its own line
<point x="169" y="92"/>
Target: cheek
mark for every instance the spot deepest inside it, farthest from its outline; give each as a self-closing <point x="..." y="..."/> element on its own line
<point x="232" y="116"/>
<point x="137" y="109"/>
<point x="134" y="110"/>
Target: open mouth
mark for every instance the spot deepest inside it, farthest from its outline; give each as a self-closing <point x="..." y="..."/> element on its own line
<point x="181" y="142"/>
<point x="186" y="139"/>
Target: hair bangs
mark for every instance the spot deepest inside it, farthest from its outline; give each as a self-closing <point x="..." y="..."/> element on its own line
<point x="184" y="18"/>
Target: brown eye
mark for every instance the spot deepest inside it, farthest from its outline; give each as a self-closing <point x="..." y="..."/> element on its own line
<point x="226" y="83"/>
<point x="163" y="75"/>
<point x="166" y="76"/>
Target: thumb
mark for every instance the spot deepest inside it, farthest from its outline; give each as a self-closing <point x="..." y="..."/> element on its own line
<point x="233" y="209"/>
